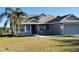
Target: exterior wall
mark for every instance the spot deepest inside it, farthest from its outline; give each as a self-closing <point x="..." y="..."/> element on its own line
<point x="57" y="29"/>
<point x="54" y="29"/>
<point x="71" y="29"/>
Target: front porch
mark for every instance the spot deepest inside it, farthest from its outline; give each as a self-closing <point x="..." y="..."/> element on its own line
<point x="32" y="29"/>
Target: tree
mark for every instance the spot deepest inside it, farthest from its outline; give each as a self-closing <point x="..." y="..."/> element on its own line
<point x="15" y="17"/>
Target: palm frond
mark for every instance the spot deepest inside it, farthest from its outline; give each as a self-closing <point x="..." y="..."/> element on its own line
<point x="5" y="24"/>
<point x="2" y="15"/>
<point x="18" y="10"/>
<point x="9" y="10"/>
<point x="23" y="13"/>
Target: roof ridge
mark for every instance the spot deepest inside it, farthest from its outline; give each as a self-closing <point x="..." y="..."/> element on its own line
<point x="66" y="16"/>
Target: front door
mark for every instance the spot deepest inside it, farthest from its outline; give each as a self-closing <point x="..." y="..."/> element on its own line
<point x="34" y="29"/>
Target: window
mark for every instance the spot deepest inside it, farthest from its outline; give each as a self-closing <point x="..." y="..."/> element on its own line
<point x="21" y="28"/>
<point x="28" y="27"/>
<point x="41" y="27"/>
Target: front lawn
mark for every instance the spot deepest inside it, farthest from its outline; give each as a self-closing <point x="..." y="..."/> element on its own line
<point x="39" y="44"/>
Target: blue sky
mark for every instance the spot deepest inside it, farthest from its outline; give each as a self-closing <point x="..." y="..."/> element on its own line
<point x="46" y="10"/>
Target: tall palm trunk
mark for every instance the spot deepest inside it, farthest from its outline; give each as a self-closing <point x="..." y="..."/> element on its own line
<point x="13" y="29"/>
<point x="13" y="26"/>
<point x="17" y="28"/>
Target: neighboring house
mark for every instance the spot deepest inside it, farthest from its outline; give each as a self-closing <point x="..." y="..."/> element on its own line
<point x="50" y="25"/>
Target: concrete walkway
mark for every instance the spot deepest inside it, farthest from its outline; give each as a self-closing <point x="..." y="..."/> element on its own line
<point x="56" y="35"/>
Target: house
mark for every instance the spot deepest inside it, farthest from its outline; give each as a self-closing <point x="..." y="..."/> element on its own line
<point x="49" y="25"/>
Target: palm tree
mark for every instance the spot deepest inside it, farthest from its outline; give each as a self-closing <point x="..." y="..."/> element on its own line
<point x="19" y="16"/>
<point x="15" y="17"/>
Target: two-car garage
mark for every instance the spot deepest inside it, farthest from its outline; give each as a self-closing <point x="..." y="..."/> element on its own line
<point x="71" y="29"/>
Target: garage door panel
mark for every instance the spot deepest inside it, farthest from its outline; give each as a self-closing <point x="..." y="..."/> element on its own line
<point x="71" y="29"/>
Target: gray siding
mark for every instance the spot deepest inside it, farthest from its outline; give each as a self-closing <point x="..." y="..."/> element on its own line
<point x="56" y="29"/>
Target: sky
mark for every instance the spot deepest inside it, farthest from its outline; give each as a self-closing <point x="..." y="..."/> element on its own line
<point x="46" y="10"/>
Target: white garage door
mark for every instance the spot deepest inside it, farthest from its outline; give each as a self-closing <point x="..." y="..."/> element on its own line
<point x="71" y="29"/>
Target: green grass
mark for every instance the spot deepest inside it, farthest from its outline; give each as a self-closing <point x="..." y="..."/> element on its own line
<point x="39" y="44"/>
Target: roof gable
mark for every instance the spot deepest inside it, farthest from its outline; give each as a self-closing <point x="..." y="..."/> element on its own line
<point x="65" y="18"/>
<point x="57" y="19"/>
<point x="33" y="20"/>
<point x="70" y="18"/>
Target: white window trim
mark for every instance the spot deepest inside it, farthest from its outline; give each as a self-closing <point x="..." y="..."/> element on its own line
<point x="25" y="28"/>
